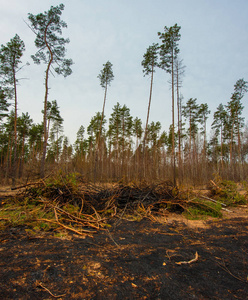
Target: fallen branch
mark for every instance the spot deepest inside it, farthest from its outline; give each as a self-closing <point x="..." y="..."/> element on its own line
<point x="30" y="183"/>
<point x="110" y="235"/>
<point x="82" y="232"/>
<point x="215" y="185"/>
<point x="190" y="261"/>
<point x="85" y="223"/>
<point x="46" y="289"/>
<point x="25" y="185"/>
<point x="224" y="267"/>
<point x="73" y="218"/>
<point x="215" y="201"/>
<point x="210" y="199"/>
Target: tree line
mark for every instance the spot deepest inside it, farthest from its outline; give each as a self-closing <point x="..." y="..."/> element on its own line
<point x="122" y="148"/>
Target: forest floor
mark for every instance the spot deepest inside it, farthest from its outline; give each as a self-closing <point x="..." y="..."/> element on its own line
<point x="167" y="258"/>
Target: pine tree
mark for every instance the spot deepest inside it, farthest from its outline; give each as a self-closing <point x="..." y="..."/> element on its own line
<point x="51" y="50"/>
<point x="168" y="54"/>
<point x="106" y="76"/>
<point x="219" y="125"/>
<point x="4" y="105"/>
<point x="149" y="63"/>
<point x="235" y="108"/>
<point x="9" y="66"/>
<point x="179" y="73"/>
<point x="24" y="123"/>
<point x="190" y="112"/>
<point x="203" y="113"/>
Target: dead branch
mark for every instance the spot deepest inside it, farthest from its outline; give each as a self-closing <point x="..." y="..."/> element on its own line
<point x="85" y="223"/>
<point x="215" y="185"/>
<point x="190" y="261"/>
<point x="210" y="199"/>
<point x="25" y="185"/>
<point x="56" y="216"/>
<point x="42" y="286"/>
<point x="224" y="267"/>
<point x="81" y="221"/>
<point x="82" y="232"/>
<point x="111" y="237"/>
<point x="30" y="183"/>
<point x="4" y="219"/>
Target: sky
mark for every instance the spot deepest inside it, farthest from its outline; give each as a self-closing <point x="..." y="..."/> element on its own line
<point x="213" y="47"/>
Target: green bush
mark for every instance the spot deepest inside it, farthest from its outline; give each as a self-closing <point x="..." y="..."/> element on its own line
<point x="200" y="209"/>
<point x="228" y="194"/>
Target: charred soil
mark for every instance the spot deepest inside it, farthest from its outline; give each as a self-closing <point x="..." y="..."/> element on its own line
<point x="129" y="260"/>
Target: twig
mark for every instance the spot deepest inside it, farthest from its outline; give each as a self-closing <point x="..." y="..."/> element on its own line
<point x="112" y="238"/>
<point x="215" y="185"/>
<point x="190" y="261"/>
<point x="167" y="253"/>
<point x="65" y="185"/>
<point x="25" y="185"/>
<point x="223" y="267"/>
<point x="81" y="209"/>
<point x="31" y="183"/>
<point x="73" y="218"/>
<point x="56" y="216"/>
<point x="68" y="228"/>
<point x="85" y="223"/>
<point x="122" y="213"/>
<point x="41" y="285"/>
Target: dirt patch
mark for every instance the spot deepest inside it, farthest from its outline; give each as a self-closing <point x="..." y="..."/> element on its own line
<point x="232" y="213"/>
<point x="130" y="260"/>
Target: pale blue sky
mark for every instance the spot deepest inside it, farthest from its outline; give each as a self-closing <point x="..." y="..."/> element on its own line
<point x="214" y="48"/>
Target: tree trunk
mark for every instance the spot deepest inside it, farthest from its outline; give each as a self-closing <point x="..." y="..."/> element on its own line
<point x="147" y="120"/>
<point x="98" y="139"/>
<point x="179" y="128"/>
<point x="14" y="165"/>
<point x="221" y="147"/>
<point x="43" y="158"/>
<point x="103" y="108"/>
<point x="173" y="122"/>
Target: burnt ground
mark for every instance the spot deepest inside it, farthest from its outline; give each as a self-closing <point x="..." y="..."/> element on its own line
<point x="130" y="260"/>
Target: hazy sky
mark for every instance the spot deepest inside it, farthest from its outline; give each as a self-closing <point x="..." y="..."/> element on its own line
<point x="213" y="46"/>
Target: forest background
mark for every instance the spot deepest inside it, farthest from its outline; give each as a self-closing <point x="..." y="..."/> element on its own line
<point x="214" y="64"/>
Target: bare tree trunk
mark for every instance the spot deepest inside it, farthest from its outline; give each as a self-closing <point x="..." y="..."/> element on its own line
<point x="43" y="158"/>
<point x="103" y="108"/>
<point x="173" y="122"/>
<point x="147" y="120"/>
<point x="221" y="147"/>
<point x="98" y="139"/>
<point x="149" y="105"/>
<point x="14" y="165"/>
<point x="179" y="128"/>
<point x="231" y="143"/>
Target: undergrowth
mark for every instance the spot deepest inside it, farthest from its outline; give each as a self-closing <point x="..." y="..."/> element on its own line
<point x="228" y="192"/>
<point x="201" y="209"/>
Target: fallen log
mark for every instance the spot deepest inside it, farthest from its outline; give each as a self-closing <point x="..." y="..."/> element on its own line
<point x="215" y="201"/>
<point x="30" y="183"/>
<point x="210" y="199"/>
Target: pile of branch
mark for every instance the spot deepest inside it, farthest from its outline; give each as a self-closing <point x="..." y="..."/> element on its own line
<point x="97" y="203"/>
